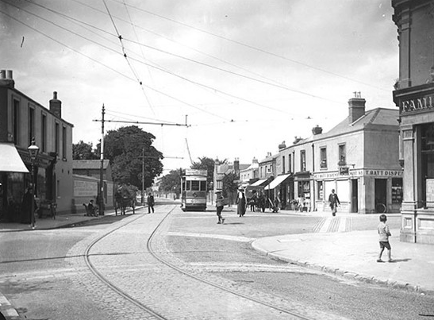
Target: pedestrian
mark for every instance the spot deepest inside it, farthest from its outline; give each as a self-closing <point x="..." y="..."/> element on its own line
<point x="151" y="203"/>
<point x="334" y="201"/>
<point x="261" y="201"/>
<point x="26" y="206"/>
<point x="253" y="201"/>
<point x="276" y="204"/>
<point x="384" y="234"/>
<point x="241" y="202"/>
<point x="219" y="203"/>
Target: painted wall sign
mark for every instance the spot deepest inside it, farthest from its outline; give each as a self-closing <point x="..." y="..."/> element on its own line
<point x="423" y="103"/>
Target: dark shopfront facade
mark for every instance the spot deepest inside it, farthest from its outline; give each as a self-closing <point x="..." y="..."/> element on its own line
<point x="417" y="155"/>
<point x="14" y="185"/>
<point x="414" y="96"/>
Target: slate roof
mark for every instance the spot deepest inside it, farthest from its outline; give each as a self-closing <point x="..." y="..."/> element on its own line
<point x="379" y="117"/>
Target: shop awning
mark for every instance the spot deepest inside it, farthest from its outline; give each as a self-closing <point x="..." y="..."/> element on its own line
<point x="258" y="183"/>
<point x="10" y="160"/>
<point x="277" y="181"/>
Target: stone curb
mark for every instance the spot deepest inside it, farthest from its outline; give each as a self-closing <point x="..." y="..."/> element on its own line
<point x="347" y="274"/>
<point x="7" y="310"/>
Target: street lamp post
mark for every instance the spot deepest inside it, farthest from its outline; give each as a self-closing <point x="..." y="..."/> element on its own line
<point x="33" y="151"/>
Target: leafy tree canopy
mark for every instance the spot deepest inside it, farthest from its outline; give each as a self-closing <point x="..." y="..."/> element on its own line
<point x="84" y="151"/>
<point x="230" y="184"/>
<point x="171" y="182"/>
<point x="127" y="148"/>
<point x="205" y="163"/>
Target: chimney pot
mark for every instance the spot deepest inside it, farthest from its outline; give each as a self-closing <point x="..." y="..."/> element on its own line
<point x="9" y="75"/>
<point x="3" y="74"/>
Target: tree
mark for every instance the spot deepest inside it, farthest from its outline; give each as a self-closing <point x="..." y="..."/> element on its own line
<point x="84" y="151"/>
<point x="230" y="185"/>
<point x="127" y="148"/>
<point x="205" y="164"/>
<point x="171" y="182"/>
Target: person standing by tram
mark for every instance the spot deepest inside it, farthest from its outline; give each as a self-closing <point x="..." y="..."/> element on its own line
<point x="241" y="202"/>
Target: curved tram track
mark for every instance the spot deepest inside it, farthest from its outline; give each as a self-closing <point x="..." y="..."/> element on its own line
<point x="285" y="312"/>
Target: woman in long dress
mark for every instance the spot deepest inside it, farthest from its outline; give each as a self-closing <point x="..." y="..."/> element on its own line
<point x="241" y="203"/>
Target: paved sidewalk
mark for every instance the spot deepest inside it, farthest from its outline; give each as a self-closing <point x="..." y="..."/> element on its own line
<point x="353" y="255"/>
<point x="62" y="220"/>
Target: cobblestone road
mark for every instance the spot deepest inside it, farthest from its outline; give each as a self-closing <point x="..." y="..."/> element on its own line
<point x="123" y="258"/>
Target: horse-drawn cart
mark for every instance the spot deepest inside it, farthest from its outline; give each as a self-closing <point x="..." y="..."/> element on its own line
<point x="125" y="196"/>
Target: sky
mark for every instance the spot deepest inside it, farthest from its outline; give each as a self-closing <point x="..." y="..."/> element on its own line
<point x="244" y="75"/>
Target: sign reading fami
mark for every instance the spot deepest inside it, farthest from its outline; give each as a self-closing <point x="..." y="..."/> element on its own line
<point x="426" y="102"/>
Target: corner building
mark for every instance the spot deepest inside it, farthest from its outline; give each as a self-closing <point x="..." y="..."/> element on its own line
<point x="358" y="158"/>
<point x="414" y="96"/>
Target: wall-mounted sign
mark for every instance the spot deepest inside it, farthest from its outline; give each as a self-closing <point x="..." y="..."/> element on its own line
<point x="344" y="171"/>
<point x="426" y="102"/>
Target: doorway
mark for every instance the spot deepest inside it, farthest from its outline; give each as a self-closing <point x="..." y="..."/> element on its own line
<point x="354" y="195"/>
<point x="380" y="195"/>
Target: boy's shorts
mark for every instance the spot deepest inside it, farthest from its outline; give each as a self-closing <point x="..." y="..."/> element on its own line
<point x="385" y="244"/>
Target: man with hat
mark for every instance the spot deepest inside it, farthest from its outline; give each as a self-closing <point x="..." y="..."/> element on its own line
<point x="219" y="203"/>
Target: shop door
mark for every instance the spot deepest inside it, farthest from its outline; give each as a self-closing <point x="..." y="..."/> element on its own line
<point x="380" y="195"/>
<point x="354" y="196"/>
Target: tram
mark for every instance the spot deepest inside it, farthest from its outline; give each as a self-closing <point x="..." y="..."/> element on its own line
<point x="193" y="189"/>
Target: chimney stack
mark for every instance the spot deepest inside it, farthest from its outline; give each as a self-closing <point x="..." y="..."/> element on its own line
<point x="7" y="79"/>
<point x="237" y="165"/>
<point x="56" y="106"/>
<point x="356" y="107"/>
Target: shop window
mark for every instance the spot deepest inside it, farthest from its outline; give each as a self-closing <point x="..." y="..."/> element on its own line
<point x="323" y="157"/>
<point x="396" y="190"/>
<point x="342" y="155"/>
<point x="302" y="160"/>
<point x="320" y="190"/>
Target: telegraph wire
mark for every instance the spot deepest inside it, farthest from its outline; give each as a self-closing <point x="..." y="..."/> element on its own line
<point x="275" y="84"/>
<point x="255" y="48"/>
<point x="126" y="57"/>
<point x="110" y="68"/>
<point x="214" y="90"/>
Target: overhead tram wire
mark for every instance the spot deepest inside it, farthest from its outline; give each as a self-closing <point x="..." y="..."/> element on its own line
<point x="110" y="68"/>
<point x="255" y="48"/>
<point x="126" y="57"/>
<point x="161" y="36"/>
<point x="158" y="68"/>
<point x="273" y="83"/>
<point x="195" y="61"/>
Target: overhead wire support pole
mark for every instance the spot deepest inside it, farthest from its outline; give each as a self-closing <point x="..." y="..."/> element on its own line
<point x="154" y="123"/>
<point x="101" y="172"/>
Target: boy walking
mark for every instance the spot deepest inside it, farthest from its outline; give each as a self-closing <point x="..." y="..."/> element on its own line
<point x="219" y="203"/>
<point x="384" y="233"/>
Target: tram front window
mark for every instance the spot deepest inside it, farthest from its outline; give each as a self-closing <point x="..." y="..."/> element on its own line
<point x="195" y="185"/>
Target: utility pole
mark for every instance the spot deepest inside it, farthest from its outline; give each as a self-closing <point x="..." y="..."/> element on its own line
<point x="101" y="172"/>
<point x="143" y="176"/>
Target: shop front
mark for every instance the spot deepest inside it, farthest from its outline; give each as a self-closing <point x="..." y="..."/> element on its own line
<point x="15" y="179"/>
<point x="364" y="191"/>
<point x="416" y="106"/>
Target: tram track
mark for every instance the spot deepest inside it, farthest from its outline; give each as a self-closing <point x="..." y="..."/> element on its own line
<point x="292" y="314"/>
